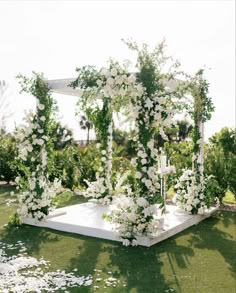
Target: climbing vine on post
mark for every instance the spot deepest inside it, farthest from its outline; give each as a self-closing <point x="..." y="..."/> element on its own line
<point x="35" y="149"/>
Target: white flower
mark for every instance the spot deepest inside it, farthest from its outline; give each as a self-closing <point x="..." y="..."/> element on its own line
<point x="142" y="202"/>
<point x="40" y="141"/>
<point x="114" y="72"/>
<point x="144" y="161"/>
<point x="138" y="175"/>
<point x="41" y="106"/>
<point x="42" y="118"/>
<point x="30" y="148"/>
<point x="150" y="144"/>
<point x="110" y="81"/>
<point x="99" y="82"/>
<point x="103" y="152"/>
<point x="131" y="78"/>
<point x="103" y="159"/>
<point x="149" y="104"/>
<point x="126" y="242"/>
<point x="148" y="183"/>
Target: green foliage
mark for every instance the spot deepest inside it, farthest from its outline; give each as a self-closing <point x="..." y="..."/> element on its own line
<point x="8" y="152"/>
<point x="180" y="155"/>
<point x="61" y="135"/>
<point x="124" y="141"/>
<point x="66" y="166"/>
<point x="221" y="159"/>
<point x="89" y="163"/>
<point x="87" y="77"/>
<point x="14" y="221"/>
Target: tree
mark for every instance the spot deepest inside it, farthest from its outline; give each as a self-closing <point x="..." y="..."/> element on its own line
<point x="221" y="159"/>
<point x="8" y="153"/>
<point x="85" y="124"/>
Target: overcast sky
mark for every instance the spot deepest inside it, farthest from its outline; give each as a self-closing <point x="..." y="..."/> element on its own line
<point x="54" y="37"/>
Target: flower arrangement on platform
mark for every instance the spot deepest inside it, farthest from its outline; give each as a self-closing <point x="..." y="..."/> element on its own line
<point x="189" y="195"/>
<point x="192" y="197"/>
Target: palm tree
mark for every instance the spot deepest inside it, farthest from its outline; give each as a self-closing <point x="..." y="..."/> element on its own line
<point x="85" y="124"/>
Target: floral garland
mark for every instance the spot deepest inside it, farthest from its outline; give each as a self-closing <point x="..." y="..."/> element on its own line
<point x="113" y="87"/>
<point x="192" y="186"/>
<point x="136" y="212"/>
<point x="34" y="149"/>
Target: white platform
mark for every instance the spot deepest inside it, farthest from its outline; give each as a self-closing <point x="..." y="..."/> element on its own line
<point x="86" y="219"/>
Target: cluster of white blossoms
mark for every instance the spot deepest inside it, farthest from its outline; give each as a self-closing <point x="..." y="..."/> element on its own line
<point x="130" y="214"/>
<point x="189" y="195"/>
<point x="36" y="201"/>
<point x="116" y="83"/>
<point x="35" y="204"/>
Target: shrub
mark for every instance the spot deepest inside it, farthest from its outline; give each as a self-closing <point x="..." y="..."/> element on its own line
<point x="8" y="168"/>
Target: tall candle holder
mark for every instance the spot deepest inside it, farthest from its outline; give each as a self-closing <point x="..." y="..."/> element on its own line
<point x="164" y="170"/>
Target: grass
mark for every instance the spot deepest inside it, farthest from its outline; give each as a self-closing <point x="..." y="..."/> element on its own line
<point x="200" y="259"/>
<point x="229" y="198"/>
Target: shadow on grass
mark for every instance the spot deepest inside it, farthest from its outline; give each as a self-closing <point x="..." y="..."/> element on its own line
<point x="33" y="237"/>
<point x="211" y="236"/>
<point x="142" y="266"/>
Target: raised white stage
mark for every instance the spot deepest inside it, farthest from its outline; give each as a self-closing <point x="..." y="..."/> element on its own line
<point x="86" y="219"/>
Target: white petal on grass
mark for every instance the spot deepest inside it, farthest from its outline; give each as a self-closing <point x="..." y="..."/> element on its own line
<point x="21" y="273"/>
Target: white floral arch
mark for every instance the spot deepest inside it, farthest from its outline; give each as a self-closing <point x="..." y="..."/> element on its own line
<point x="135" y="211"/>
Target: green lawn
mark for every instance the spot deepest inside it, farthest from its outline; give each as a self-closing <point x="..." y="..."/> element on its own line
<point x="200" y="259"/>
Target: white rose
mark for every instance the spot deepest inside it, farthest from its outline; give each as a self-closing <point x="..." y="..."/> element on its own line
<point x="41" y="106"/>
<point x="144" y="161"/>
<point x="150" y="144"/>
<point x="138" y="175"/>
<point x="40" y="141"/>
<point x="42" y="118"/>
<point x="103" y="159"/>
<point x="113" y="72"/>
<point x="99" y="82"/>
<point x="142" y="202"/>
<point x="110" y="81"/>
<point x="148" y="183"/>
<point x="131" y="78"/>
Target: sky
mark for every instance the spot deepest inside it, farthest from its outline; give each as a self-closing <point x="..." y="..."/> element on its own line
<point x="55" y="37"/>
